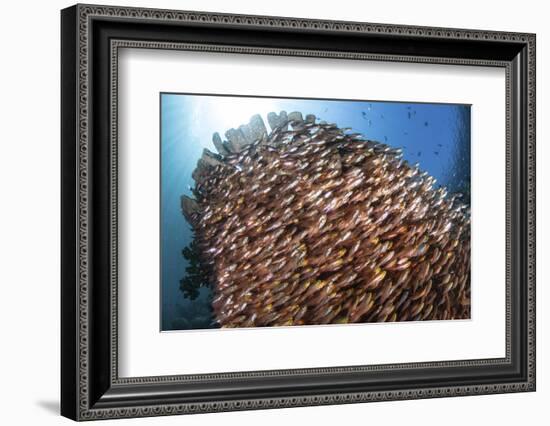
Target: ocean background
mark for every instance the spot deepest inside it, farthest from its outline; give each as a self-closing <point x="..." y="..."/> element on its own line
<point x="437" y="136"/>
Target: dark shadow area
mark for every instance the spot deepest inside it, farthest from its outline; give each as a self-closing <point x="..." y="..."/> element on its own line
<point x="50" y="406"/>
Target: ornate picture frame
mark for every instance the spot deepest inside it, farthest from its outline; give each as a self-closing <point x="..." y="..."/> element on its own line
<point x="91" y="38"/>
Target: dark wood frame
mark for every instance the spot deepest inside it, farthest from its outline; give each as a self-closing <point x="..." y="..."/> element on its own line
<point x="91" y="37"/>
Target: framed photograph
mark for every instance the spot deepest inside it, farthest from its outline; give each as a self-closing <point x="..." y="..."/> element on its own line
<point x="263" y="212"/>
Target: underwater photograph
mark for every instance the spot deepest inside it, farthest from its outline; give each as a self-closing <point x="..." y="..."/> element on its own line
<point x="293" y="211"/>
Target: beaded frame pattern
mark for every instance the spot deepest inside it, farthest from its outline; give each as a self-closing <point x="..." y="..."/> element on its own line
<point x="87" y="12"/>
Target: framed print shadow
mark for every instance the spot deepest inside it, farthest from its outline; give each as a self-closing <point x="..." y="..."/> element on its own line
<point x="263" y="212"/>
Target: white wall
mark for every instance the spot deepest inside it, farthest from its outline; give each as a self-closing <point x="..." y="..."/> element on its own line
<point x="29" y="211"/>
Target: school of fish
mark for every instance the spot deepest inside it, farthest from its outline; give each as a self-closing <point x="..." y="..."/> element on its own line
<point x="313" y="224"/>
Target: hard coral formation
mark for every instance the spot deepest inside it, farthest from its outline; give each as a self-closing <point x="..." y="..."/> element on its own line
<point x="312" y="224"/>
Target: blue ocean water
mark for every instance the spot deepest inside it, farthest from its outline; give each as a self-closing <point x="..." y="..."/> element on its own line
<point x="437" y="136"/>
